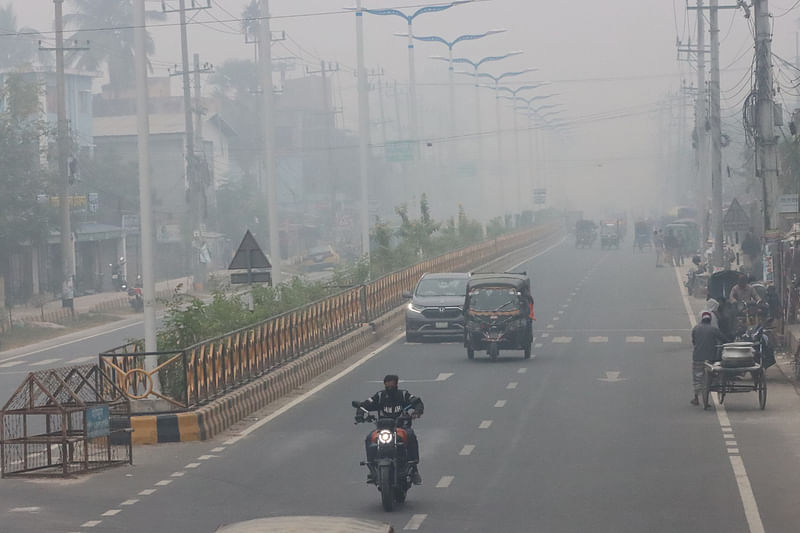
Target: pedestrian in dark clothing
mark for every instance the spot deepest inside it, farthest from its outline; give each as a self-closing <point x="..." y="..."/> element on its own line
<point x="705" y="339"/>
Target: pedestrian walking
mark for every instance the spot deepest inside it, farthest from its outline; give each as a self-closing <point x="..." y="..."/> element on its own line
<point x="658" y="243"/>
<point x="705" y="339"/>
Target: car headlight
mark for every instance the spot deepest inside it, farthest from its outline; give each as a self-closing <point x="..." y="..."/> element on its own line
<point x="385" y="436"/>
<point x="415" y="308"/>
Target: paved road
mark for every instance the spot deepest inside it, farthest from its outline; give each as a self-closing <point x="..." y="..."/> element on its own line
<point x="593" y="434"/>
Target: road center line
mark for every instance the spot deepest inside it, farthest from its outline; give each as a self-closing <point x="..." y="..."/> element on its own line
<point x="522" y="371"/>
<point x="751" y="512"/>
<point x="486" y="424"/>
<point x="112" y="512"/>
<point x="512" y="385"/>
<point x="445" y="482"/>
<point x="467" y="449"/>
<point x="415" y="522"/>
<point x="500" y="403"/>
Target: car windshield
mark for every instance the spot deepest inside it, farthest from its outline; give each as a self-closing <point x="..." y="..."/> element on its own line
<point x="442" y="287"/>
<point x="493" y="299"/>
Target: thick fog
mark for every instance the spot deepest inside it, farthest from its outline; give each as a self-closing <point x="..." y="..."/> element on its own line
<point x="614" y="68"/>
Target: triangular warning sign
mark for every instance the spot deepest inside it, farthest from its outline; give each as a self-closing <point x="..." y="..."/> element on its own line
<point x="249" y="255"/>
<point x="735" y="218"/>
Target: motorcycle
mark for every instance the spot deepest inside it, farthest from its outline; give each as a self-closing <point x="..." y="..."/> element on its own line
<point x="390" y="471"/>
<point x="136" y="299"/>
<point x="764" y="351"/>
<point x="117" y="278"/>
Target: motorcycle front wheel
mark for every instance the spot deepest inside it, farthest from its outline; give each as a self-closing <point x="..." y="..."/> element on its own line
<point x="385" y="486"/>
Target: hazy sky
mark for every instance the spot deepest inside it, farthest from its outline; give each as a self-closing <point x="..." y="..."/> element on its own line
<point x="603" y="58"/>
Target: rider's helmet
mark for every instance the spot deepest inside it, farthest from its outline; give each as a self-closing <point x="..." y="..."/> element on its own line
<point x="696" y="260"/>
<point x="390" y="381"/>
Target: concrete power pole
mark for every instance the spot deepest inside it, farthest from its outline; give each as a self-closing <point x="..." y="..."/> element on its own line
<point x="716" y="134"/>
<point x="145" y="208"/>
<point x="62" y="141"/>
<point x="363" y="125"/>
<point x="766" y="140"/>
<point x="270" y="156"/>
<point x="702" y="181"/>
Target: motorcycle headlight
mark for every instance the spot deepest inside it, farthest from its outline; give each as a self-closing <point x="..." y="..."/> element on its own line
<point x="385" y="436"/>
<point x="415" y="308"/>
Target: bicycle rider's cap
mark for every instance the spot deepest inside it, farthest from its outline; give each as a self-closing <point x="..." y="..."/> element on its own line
<point x="705" y="314"/>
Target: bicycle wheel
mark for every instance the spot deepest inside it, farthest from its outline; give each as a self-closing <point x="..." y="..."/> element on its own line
<point x="762" y="390"/>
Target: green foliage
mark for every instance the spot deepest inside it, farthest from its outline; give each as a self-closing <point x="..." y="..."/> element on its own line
<point x="189" y="322"/>
<point x="19" y="49"/>
<point x="22" y="219"/>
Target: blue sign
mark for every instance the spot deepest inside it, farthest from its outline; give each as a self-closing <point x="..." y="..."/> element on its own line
<point x="98" y="422"/>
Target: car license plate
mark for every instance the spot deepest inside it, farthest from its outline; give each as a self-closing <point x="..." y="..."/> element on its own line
<point x="442" y="325"/>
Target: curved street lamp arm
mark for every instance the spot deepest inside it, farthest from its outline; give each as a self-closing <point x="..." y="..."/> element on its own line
<point x="434" y="9"/>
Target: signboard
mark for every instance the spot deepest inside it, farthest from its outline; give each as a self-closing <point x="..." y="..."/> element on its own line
<point x="249" y="257"/>
<point x="98" y="422"/>
<point x="242" y="278"/>
<point x="735" y="218"/>
<point x="168" y="233"/>
<point x="539" y="196"/>
<point x="130" y="222"/>
<point x="787" y="204"/>
<point x="399" y="151"/>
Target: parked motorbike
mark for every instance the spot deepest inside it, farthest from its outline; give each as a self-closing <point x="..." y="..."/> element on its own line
<point x="136" y="299"/>
<point x="390" y="469"/>
<point x="764" y="351"/>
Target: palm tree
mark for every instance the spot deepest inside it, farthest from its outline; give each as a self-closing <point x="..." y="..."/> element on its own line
<point x="250" y="19"/>
<point x="16" y="50"/>
<point x="113" y="47"/>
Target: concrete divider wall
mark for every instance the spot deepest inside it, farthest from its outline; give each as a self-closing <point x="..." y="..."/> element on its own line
<point x="212" y="419"/>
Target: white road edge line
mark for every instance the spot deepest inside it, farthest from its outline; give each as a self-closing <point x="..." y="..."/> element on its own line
<point x="415" y="522"/>
<point x="751" y="512"/>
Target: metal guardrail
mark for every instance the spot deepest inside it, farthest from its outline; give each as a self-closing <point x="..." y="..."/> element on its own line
<point x="203" y="372"/>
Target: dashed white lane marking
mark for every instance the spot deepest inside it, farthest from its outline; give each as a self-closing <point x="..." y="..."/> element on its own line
<point x="112" y="512"/>
<point x="634" y="339"/>
<point x="80" y="360"/>
<point x="549" y="326"/>
<point x="415" y="522"/>
<point x="486" y="424"/>
<point x="163" y="483"/>
<point x="12" y="363"/>
<point x="91" y="523"/>
<point x="46" y="361"/>
<point x="130" y="502"/>
<point x="522" y="371"/>
<point x="445" y="482"/>
<point x="564" y="305"/>
<point x="147" y="492"/>
<point x="218" y="449"/>
<point x="727" y="430"/>
<point x="598" y="339"/>
<point x="538" y="345"/>
<point x="672" y="338"/>
<point x="573" y="293"/>
<point x="192" y="465"/>
<point x="177" y="474"/>
<point x="560" y="311"/>
<point x="24" y="510"/>
<point x="556" y="318"/>
<point x="467" y="449"/>
<point x="562" y="340"/>
<point x="545" y="335"/>
<point x="500" y="403"/>
<point x="751" y="511"/>
<point x="733" y="451"/>
<point x="444" y="376"/>
<point x="512" y="385"/>
<point x="205" y="457"/>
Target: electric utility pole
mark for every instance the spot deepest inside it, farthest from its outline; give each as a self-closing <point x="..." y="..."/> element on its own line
<point x="192" y="181"/>
<point x="363" y="126"/>
<point x="766" y="140"/>
<point x="700" y="186"/>
<point x="62" y="154"/>
<point x="270" y="157"/>
<point x="199" y="110"/>
<point x="716" y="134"/>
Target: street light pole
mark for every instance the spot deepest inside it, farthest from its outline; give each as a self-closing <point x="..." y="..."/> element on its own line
<point x="363" y="133"/>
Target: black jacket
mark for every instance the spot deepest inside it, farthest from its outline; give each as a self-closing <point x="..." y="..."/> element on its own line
<point x="391" y="404"/>
<point x="705" y="339"/>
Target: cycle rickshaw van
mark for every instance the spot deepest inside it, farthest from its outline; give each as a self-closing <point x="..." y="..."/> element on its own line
<point x="498" y="314"/>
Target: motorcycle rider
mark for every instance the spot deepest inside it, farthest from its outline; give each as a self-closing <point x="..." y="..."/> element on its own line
<point x="390" y="403"/>
<point x="743" y="292"/>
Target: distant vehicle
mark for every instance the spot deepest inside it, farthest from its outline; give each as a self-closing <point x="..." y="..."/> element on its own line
<point x="437" y="306"/>
<point x="320" y="258"/>
<point x="499" y="314"/>
<point x="609" y="234"/>
<point x="585" y="233"/>
<point x="643" y="235"/>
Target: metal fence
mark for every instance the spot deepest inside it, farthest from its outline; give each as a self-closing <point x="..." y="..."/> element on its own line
<point x="205" y="371"/>
<point x="64" y="421"/>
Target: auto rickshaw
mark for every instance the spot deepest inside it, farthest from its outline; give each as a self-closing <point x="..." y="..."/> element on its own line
<point x="498" y="312"/>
